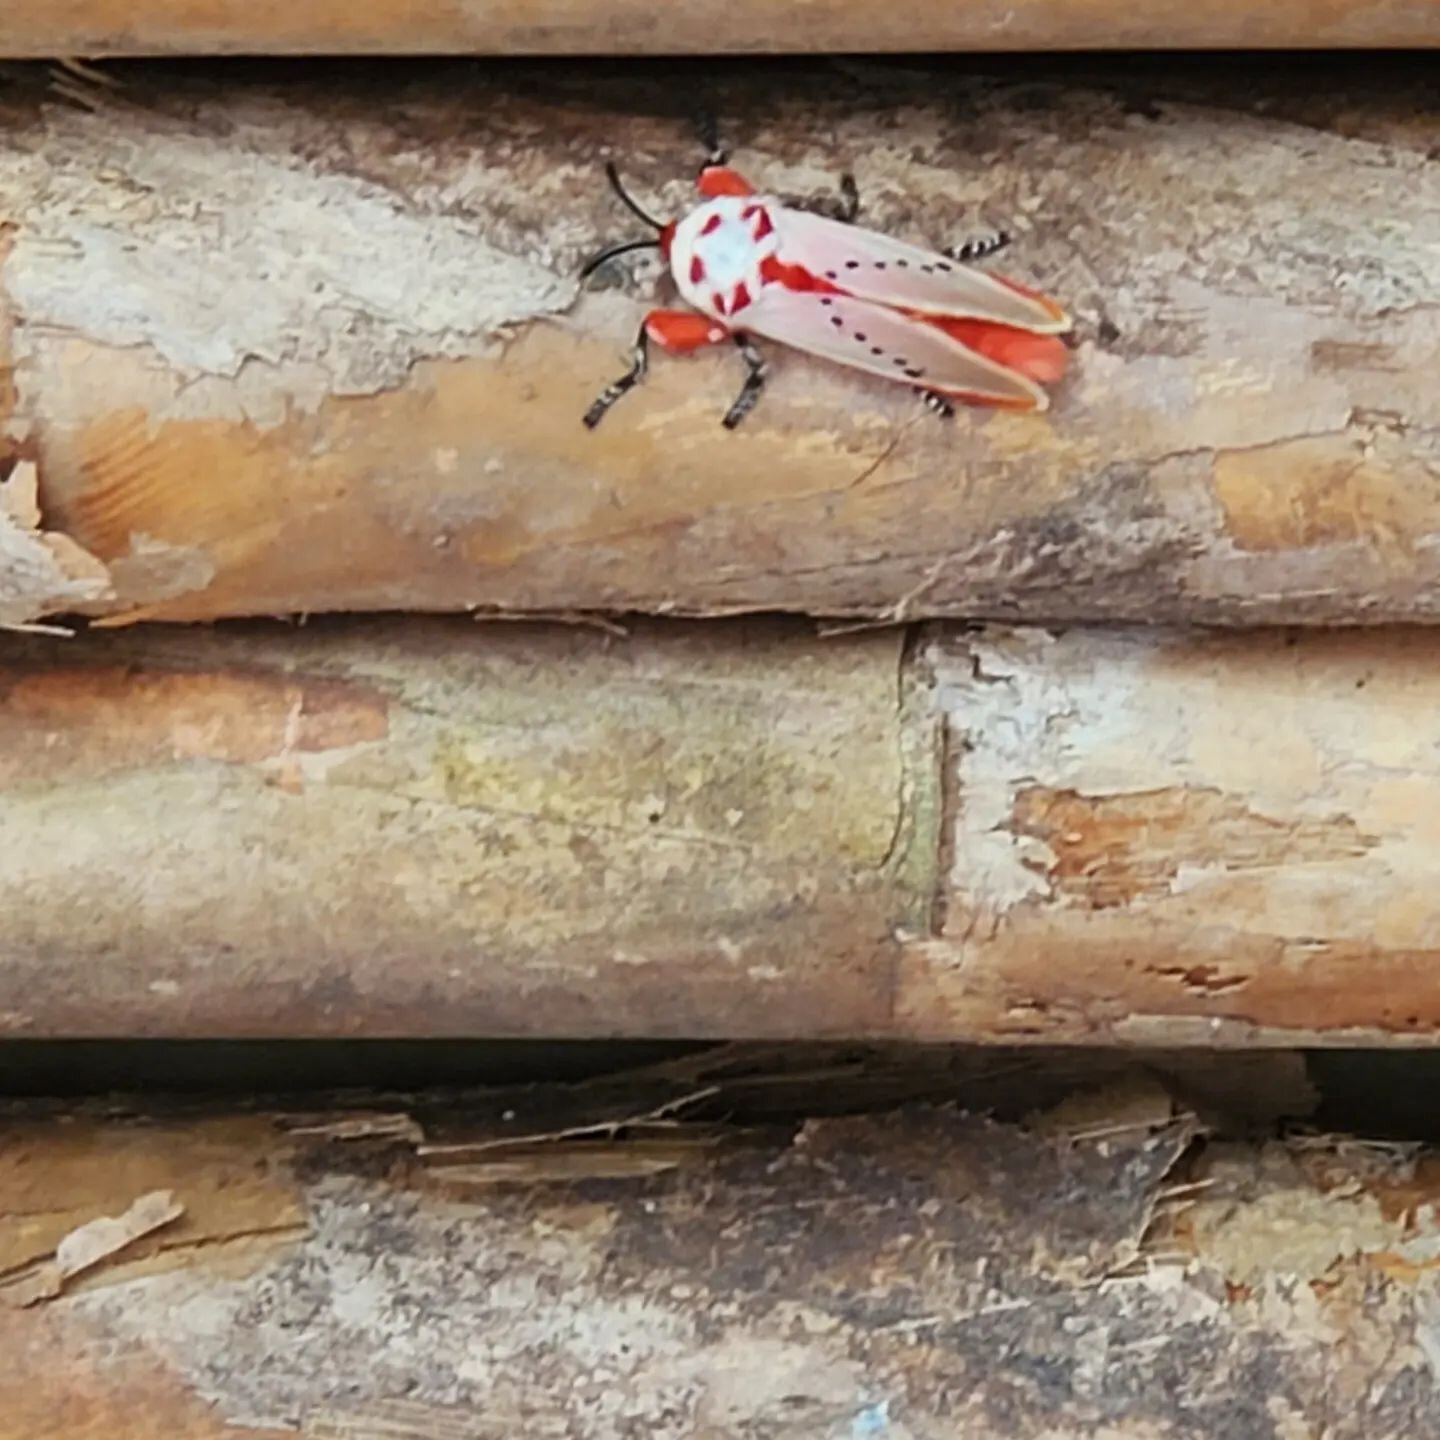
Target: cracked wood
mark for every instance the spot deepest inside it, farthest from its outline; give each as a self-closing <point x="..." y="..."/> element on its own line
<point x="743" y="829"/>
<point x="916" y="1272"/>
<point x="304" y="343"/>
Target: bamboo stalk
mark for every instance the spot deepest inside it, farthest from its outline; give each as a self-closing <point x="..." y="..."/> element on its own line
<point x="740" y="830"/>
<point x="852" y="1275"/>
<point x="297" y="343"/>
<point x="565" y="27"/>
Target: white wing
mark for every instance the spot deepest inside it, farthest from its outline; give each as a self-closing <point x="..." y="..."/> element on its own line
<point x="875" y="267"/>
<point x="868" y="337"/>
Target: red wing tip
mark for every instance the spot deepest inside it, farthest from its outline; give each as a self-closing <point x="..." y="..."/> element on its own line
<point x="1060" y="321"/>
<point x="1020" y="404"/>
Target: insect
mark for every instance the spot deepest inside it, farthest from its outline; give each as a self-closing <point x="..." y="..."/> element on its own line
<point x="754" y="267"/>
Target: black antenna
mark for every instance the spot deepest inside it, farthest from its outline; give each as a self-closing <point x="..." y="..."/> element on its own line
<point x="613" y="175"/>
<point x="611" y="251"/>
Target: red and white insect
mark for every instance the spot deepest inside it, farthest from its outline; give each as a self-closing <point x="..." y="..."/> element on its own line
<point x="752" y="266"/>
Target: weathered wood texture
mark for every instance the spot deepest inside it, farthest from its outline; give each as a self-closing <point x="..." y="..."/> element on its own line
<point x="633" y="27"/>
<point x="287" y="343"/>
<point x="916" y="1274"/>
<point x="1167" y="835"/>
<point x="441" y="829"/>
<point x="740" y="829"/>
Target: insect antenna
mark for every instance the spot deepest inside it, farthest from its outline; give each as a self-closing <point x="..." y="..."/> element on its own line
<point x="626" y="199"/>
<point x="611" y="251"/>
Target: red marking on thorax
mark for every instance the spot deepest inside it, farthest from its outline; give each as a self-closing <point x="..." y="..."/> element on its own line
<point x="761" y="216"/>
<point x="774" y="271"/>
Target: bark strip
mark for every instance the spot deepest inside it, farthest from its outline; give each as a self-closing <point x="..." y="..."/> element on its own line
<point x="920" y="1272"/>
<point x="630" y="27"/>
<point x="296" y="342"/>
<point x="432" y="828"/>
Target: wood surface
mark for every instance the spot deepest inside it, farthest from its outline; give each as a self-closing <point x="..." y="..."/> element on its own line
<point x="629" y="27"/>
<point x="430" y="827"/>
<point x="581" y="1264"/>
<point x="307" y="339"/>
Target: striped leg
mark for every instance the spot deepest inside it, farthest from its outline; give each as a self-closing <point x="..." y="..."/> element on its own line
<point x="845" y="209"/>
<point x="626" y="383"/>
<point x="980" y="248"/>
<point x="936" y="403"/>
<point x="754" y="383"/>
<point x="678" y="332"/>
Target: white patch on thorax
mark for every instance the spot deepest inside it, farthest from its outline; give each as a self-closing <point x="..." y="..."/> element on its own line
<point x="728" y="254"/>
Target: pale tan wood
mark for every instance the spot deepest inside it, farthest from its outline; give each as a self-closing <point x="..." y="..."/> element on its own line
<point x="1205" y="839"/>
<point x="441" y="828"/>
<point x="433" y="828"/>
<point x="632" y="27"/>
<point x="313" y="342"/>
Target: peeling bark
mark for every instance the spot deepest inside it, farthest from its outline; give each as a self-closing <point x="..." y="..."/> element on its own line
<point x="294" y="343"/>
<point x="727" y="830"/>
<point x="40" y="572"/>
<point x="1157" y="834"/>
<point x="915" y="1273"/>
<point x="565" y="27"/>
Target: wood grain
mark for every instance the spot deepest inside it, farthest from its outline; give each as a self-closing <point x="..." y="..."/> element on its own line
<point x="450" y="829"/>
<point x="305" y="341"/>
<point x="430" y="828"/>
<point x="918" y="1272"/>
<point x="629" y="27"/>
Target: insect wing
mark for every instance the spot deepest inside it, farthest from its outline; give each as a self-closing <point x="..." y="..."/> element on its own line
<point x="890" y="272"/>
<point x="869" y="337"/>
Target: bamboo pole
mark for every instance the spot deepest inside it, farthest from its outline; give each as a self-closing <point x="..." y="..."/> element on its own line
<point x="308" y="342"/>
<point x="425" y="1270"/>
<point x="740" y="830"/>
<point x="565" y="27"/>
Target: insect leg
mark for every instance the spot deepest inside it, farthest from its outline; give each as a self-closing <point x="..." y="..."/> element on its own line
<point x="936" y="402"/>
<point x="677" y="332"/>
<point x="845" y="209"/>
<point x="709" y="128"/>
<point x="627" y="382"/>
<point x="980" y="248"/>
<point x="754" y="383"/>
